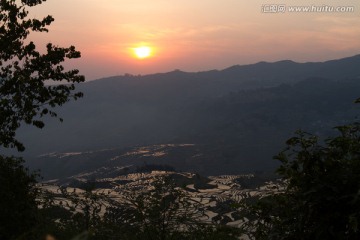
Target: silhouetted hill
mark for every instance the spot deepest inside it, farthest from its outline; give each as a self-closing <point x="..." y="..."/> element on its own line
<point x="261" y="74"/>
<point x="289" y="71"/>
<point x="239" y="116"/>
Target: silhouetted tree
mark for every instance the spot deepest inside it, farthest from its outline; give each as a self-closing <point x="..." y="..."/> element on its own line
<point x="24" y="96"/>
<point x="83" y="207"/>
<point x="161" y="211"/>
<point x="18" y="206"/>
<point x="321" y="197"/>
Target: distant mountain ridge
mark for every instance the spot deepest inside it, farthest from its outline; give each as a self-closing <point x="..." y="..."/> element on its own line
<point x="287" y="70"/>
<point x="219" y="82"/>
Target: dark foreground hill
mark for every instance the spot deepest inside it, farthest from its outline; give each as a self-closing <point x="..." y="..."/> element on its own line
<point x="235" y="119"/>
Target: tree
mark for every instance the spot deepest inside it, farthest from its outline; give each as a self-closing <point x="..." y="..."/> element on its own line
<point x="17" y="198"/>
<point x="161" y="211"/>
<point x="321" y="199"/>
<point x="83" y="211"/>
<point x="24" y="96"/>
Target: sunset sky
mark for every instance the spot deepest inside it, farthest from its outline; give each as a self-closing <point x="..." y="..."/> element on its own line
<point x="195" y="35"/>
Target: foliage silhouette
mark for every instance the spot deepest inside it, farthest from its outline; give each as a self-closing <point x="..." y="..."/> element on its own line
<point x="24" y="96"/>
<point x="163" y="212"/>
<point x="18" y="193"/>
<point x="83" y="211"/>
<point x="320" y="199"/>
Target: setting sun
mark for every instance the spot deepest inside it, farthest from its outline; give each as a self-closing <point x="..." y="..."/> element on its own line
<point x="142" y="52"/>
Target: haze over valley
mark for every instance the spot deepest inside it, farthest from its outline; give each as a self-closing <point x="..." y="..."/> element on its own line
<point x="227" y="121"/>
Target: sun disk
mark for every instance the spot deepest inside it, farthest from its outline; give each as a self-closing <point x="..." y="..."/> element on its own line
<point x="142" y="52"/>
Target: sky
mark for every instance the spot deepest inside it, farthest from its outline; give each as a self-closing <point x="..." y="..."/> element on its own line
<point x="196" y="35"/>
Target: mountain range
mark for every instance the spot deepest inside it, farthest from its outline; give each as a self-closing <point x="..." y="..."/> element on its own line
<point x="230" y="121"/>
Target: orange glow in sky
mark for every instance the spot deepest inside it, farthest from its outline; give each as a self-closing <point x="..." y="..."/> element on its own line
<point x="195" y="35"/>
